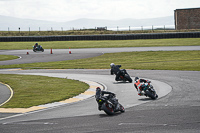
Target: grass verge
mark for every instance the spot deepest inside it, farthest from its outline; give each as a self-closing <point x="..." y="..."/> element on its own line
<point x="87" y="32"/>
<point x="102" y="44"/>
<point x="152" y="60"/>
<point x="36" y="90"/>
<point x="8" y="57"/>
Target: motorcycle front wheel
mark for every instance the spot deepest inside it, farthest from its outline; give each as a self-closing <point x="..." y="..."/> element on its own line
<point x="122" y="108"/>
<point x="128" y="78"/>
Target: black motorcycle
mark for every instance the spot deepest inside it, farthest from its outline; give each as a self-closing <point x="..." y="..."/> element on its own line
<point x="110" y="105"/>
<point x="123" y="76"/>
<point x="150" y="91"/>
<point x="38" y="48"/>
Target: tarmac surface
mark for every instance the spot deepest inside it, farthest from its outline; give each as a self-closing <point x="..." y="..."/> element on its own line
<point x="177" y="111"/>
<point x="63" y="54"/>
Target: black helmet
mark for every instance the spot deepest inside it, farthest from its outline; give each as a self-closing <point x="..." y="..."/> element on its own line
<point x="136" y="78"/>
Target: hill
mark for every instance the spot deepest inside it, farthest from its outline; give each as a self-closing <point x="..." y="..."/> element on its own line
<point x="13" y="24"/>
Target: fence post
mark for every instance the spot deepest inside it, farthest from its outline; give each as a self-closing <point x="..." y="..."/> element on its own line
<point x="164" y="27"/>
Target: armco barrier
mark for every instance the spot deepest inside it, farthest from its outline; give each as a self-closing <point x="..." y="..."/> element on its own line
<point x="102" y="37"/>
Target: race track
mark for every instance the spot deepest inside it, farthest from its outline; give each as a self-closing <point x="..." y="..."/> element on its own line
<point x="63" y="54"/>
<point x="178" y="111"/>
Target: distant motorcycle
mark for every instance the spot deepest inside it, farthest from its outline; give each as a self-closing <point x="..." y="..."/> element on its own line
<point x="38" y="48"/>
<point x="124" y="76"/>
<point x="110" y="105"/>
<point x="149" y="91"/>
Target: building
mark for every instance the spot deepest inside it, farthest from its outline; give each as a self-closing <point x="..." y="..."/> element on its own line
<point x="101" y="28"/>
<point x="187" y="18"/>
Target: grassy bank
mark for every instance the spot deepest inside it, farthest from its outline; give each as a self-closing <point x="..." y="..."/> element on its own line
<point x="152" y="60"/>
<point x="85" y="32"/>
<point x="27" y="89"/>
<point x="102" y="44"/>
<point x="36" y="90"/>
<point x="8" y="57"/>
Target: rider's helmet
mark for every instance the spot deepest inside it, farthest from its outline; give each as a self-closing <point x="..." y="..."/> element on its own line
<point x="136" y="78"/>
<point x="98" y="89"/>
<point x="98" y="92"/>
<point x="112" y="65"/>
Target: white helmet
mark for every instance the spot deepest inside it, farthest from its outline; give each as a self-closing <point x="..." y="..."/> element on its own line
<point x="112" y="65"/>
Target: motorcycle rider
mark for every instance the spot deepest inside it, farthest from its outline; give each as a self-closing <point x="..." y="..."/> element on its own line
<point x="36" y="44"/>
<point x="115" y="69"/>
<point x="100" y="95"/>
<point x="140" y="84"/>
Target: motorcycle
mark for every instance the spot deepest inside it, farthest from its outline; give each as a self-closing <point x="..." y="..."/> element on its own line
<point x="110" y="105"/>
<point x="149" y="91"/>
<point x="124" y="76"/>
<point x="38" y="48"/>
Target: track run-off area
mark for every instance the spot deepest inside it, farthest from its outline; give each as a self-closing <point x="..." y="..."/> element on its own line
<point x="176" y="110"/>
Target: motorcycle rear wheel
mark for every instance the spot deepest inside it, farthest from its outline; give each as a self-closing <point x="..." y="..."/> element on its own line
<point x="107" y="109"/>
<point x="151" y="95"/>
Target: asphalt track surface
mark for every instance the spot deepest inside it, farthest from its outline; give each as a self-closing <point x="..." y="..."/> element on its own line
<point x="63" y="54"/>
<point x="178" y="111"/>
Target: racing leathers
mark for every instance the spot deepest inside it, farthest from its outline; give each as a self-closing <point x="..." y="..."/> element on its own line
<point x="116" y="70"/>
<point x="36" y="45"/>
<point x="100" y="95"/>
<point x="140" y="84"/>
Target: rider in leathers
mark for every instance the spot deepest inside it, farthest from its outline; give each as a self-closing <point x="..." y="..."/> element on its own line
<point x="36" y="45"/>
<point x="115" y="69"/>
<point x="100" y="94"/>
<point x="140" y="85"/>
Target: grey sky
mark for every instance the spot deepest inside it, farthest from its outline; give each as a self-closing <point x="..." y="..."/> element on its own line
<point x="66" y="10"/>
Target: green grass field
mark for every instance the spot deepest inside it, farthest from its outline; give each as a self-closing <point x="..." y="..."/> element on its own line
<point x="27" y="89"/>
<point x="8" y="57"/>
<point x="88" y="32"/>
<point x="102" y="44"/>
<point x="152" y="60"/>
<point x="74" y="32"/>
<point x="36" y="90"/>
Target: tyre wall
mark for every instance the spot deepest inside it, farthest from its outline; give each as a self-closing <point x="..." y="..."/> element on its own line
<point x="102" y="37"/>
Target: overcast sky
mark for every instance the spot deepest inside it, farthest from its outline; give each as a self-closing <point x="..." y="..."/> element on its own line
<point x="66" y="10"/>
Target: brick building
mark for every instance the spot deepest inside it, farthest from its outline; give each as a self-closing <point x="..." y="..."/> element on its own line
<point x="187" y="18"/>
